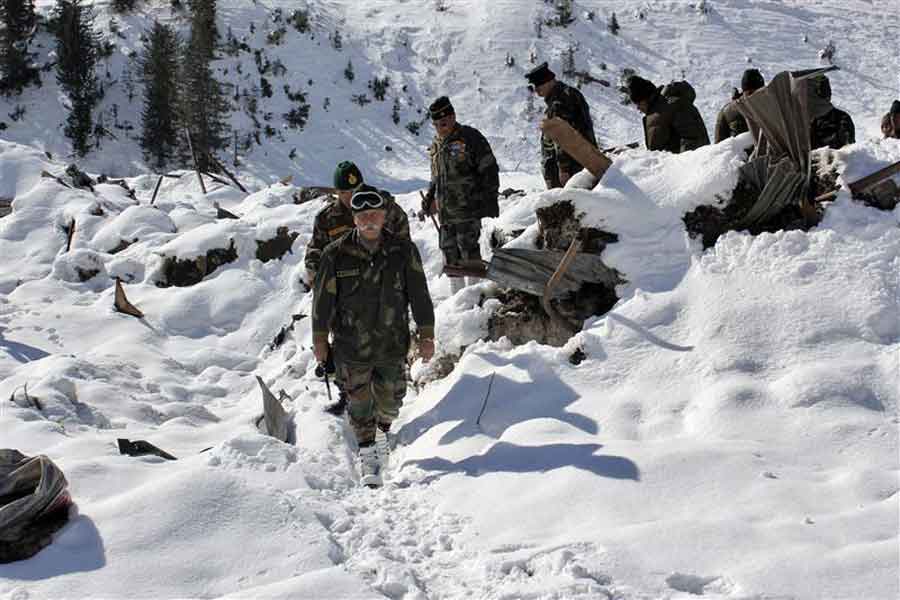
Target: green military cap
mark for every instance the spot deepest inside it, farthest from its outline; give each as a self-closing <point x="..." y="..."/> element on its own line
<point x="347" y="176"/>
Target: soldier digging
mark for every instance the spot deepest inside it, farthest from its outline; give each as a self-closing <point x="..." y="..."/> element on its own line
<point x="464" y="185"/>
<point x="568" y="104"/>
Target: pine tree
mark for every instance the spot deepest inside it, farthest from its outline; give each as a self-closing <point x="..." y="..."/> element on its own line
<point x="204" y="34"/>
<point x="204" y="105"/>
<point x="77" y="49"/>
<point x="17" y="21"/>
<point x="613" y="24"/>
<point x="348" y="71"/>
<point x="159" y="68"/>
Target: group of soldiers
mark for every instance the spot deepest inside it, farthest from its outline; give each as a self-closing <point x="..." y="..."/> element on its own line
<point x="366" y="273"/>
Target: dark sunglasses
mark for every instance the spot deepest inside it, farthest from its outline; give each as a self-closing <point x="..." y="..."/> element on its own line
<point x="365" y="200"/>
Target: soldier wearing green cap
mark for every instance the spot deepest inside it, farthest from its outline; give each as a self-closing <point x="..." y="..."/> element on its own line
<point x="366" y="284"/>
<point x="336" y="218"/>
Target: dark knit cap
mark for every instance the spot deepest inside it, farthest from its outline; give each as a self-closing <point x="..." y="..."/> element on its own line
<point x="640" y="89"/>
<point x="347" y="176"/>
<point x="440" y="108"/>
<point x="752" y="80"/>
<point x="895" y="108"/>
<point x="540" y="74"/>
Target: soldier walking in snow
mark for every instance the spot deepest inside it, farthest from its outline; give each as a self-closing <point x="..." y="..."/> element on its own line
<point x="731" y="122"/>
<point x="335" y="220"/>
<point x="464" y="185"/>
<point x="568" y="104"/>
<point x="365" y="284"/>
<point x="830" y="126"/>
<point x="671" y="121"/>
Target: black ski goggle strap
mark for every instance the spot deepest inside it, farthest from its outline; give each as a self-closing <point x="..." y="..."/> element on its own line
<point x="365" y="200"/>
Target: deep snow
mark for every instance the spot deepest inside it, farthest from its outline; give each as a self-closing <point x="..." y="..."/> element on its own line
<point x="731" y="434"/>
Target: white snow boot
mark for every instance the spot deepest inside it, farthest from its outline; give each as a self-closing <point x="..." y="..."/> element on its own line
<point x="369" y="467"/>
<point x="382" y="447"/>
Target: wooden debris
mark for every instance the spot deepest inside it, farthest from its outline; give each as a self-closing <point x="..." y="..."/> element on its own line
<point x="70" y="233"/>
<point x="196" y="163"/>
<point x="587" y="155"/>
<point x="122" y="304"/>
<point x="156" y="189"/>
<point x="554" y="280"/>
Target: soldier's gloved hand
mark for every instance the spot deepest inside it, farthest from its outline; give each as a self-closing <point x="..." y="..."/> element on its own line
<point x="426" y="349"/>
<point x="321" y="351"/>
<point x="428" y="204"/>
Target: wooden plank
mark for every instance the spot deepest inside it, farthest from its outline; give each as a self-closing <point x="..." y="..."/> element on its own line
<point x="156" y="189"/>
<point x="574" y="144"/>
<point x="196" y="164"/>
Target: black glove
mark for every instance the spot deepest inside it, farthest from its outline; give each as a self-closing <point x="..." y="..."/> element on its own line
<point x="427" y="204"/>
<point x="326" y="367"/>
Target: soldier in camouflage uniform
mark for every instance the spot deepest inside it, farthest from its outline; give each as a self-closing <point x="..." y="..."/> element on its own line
<point x="568" y="104"/>
<point x="336" y="219"/>
<point x="464" y="185"/>
<point x="671" y="121"/>
<point x="830" y="126"/>
<point x="731" y="122"/>
<point x="365" y="285"/>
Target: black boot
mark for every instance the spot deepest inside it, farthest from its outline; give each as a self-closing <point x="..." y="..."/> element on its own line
<point x="338" y="408"/>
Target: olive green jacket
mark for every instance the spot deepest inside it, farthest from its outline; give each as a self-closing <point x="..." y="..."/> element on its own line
<point x="672" y="122"/>
<point x="364" y="298"/>
<point x="335" y="220"/>
<point x="465" y="178"/>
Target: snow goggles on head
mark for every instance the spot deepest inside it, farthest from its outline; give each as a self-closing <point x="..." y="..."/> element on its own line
<point x="365" y="200"/>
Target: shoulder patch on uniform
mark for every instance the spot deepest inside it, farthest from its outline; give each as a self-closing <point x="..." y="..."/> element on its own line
<point x="348" y="273"/>
<point x="338" y="230"/>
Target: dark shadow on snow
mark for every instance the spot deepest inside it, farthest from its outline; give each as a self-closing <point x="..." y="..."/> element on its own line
<point x="510" y="402"/>
<point x="22" y="353"/>
<point x="76" y="548"/>
<point x="504" y="457"/>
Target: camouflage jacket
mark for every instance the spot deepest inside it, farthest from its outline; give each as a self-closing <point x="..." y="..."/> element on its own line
<point x="335" y="220"/>
<point x="364" y="298"/>
<point x="465" y="177"/>
<point x="730" y="123"/>
<point x="568" y="104"/>
<point x="672" y="122"/>
<point x="833" y="129"/>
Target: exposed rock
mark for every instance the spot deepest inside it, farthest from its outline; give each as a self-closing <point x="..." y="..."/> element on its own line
<point x="187" y="272"/>
<point x="267" y="250"/>
<point x="121" y="246"/>
<point x="86" y="274"/>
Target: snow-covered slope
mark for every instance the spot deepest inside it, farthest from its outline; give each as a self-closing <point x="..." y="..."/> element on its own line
<point x="731" y="434"/>
<point x="461" y="52"/>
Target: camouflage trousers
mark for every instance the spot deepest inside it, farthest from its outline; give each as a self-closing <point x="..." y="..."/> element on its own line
<point x="374" y="394"/>
<point x="459" y="242"/>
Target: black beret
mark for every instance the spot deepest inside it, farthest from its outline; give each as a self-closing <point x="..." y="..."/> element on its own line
<point x="752" y="80"/>
<point x="440" y="108"/>
<point x="540" y="74"/>
<point x="640" y="89"/>
<point x="347" y="176"/>
<point x="895" y="108"/>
